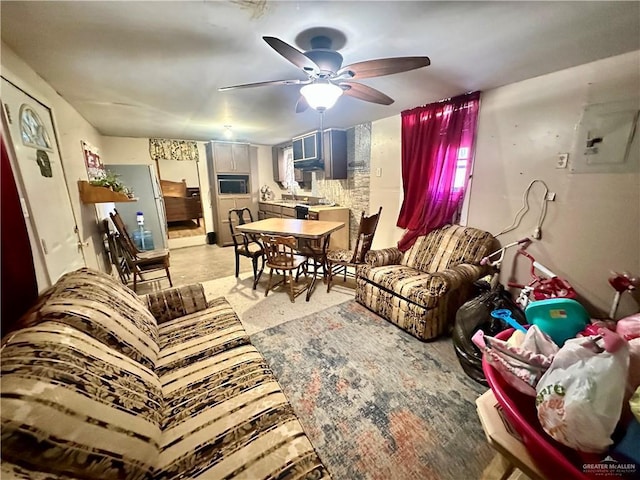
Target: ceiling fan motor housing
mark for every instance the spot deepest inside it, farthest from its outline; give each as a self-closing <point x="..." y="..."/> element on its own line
<point x="329" y="61"/>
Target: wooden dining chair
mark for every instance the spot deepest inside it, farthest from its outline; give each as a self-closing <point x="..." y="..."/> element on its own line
<point x="339" y="261"/>
<point x="281" y="256"/>
<point x="139" y="262"/>
<point x="246" y="245"/>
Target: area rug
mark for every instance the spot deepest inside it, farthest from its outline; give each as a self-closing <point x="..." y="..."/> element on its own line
<point x="257" y="312"/>
<point x="376" y="402"/>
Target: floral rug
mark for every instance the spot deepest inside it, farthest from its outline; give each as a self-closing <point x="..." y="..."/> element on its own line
<point x="376" y="402"/>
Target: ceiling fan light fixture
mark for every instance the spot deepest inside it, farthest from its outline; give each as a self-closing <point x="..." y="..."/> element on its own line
<point x="320" y="95"/>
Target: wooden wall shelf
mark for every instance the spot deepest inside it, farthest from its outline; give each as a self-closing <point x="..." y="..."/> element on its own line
<point x="92" y="194"/>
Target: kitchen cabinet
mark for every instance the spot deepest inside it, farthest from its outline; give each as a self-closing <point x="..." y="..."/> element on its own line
<point x="224" y="160"/>
<point x="225" y="204"/>
<point x="231" y="157"/>
<point x="279" y="162"/>
<point x="331" y="156"/>
<point x="303" y="177"/>
<point x="339" y="238"/>
<point x="334" y="153"/>
<point x="305" y="147"/>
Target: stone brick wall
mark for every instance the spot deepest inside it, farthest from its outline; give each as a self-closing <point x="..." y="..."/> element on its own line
<point x="354" y="191"/>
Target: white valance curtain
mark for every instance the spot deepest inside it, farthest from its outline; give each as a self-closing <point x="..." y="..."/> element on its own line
<point x="165" y="149"/>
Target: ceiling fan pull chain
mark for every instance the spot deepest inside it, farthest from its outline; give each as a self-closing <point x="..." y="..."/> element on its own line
<point x="321" y="139"/>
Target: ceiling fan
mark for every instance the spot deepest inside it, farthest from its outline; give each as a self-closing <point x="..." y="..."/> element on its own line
<point x="327" y="79"/>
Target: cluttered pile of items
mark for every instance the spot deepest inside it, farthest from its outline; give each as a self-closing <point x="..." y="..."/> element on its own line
<point x="568" y="384"/>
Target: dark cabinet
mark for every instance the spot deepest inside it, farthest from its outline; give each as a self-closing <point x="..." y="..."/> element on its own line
<point x="279" y="162"/>
<point x="331" y="156"/>
<point x="334" y="153"/>
<point x="303" y="177"/>
<point x="305" y="147"/>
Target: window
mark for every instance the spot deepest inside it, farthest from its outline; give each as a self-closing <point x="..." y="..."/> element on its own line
<point x="289" y="172"/>
<point x="461" y="168"/>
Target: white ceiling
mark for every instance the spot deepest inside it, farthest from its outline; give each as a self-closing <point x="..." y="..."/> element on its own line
<point x="152" y="69"/>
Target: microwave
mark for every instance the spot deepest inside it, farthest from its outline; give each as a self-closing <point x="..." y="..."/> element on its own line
<point x="233" y="184"/>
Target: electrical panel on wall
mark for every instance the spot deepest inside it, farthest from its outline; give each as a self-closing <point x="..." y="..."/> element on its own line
<point x="606" y="139"/>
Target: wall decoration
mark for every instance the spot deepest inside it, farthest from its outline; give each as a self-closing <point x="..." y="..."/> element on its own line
<point x="95" y="167"/>
<point x="164" y="149"/>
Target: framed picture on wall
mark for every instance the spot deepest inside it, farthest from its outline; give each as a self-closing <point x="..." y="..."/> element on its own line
<point x="95" y="167"/>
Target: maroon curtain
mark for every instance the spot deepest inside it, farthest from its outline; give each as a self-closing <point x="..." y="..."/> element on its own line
<point x="19" y="289"/>
<point x="437" y="146"/>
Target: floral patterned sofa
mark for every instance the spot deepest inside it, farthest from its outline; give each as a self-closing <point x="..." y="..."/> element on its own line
<point x="421" y="289"/>
<point x="98" y="383"/>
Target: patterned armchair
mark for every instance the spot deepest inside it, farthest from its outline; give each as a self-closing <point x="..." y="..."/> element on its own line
<point x="421" y="289"/>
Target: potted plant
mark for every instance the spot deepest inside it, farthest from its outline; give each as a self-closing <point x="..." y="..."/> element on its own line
<point x="111" y="181"/>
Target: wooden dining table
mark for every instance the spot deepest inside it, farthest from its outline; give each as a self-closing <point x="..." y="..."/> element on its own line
<point x="318" y="230"/>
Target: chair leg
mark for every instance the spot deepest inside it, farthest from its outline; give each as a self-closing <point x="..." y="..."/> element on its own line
<point x="135" y="280"/>
<point x="261" y="270"/>
<point x="292" y="294"/>
<point x="329" y="275"/>
<point x="237" y="264"/>
<point x="254" y="260"/>
<point x="269" y="282"/>
<point x="166" y="269"/>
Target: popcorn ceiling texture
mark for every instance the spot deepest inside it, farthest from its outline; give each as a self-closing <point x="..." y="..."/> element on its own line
<point x="354" y="191"/>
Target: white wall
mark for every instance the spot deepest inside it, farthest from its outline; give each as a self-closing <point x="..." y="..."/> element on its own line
<point x="71" y="129"/>
<point x="593" y="227"/>
<point x="386" y="190"/>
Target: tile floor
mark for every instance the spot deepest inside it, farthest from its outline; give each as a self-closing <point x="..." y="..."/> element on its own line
<point x="196" y="264"/>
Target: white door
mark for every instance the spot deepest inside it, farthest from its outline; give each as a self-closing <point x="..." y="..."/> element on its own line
<point x="41" y="179"/>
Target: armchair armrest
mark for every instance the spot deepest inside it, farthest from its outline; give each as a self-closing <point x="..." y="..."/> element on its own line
<point x="385" y="256"/>
<point x="176" y="302"/>
<point x="453" y="278"/>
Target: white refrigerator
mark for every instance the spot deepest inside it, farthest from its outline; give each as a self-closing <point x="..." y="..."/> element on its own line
<point x="143" y="180"/>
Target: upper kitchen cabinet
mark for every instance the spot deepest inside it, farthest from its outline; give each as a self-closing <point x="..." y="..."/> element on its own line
<point x="231" y="157"/>
<point x="331" y="156"/>
<point x="334" y="151"/>
<point x="279" y="162"/>
<point x="305" y="147"/>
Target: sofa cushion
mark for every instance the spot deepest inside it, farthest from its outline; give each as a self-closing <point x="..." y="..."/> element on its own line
<point x="198" y="336"/>
<point x="447" y="247"/>
<point x="98" y="305"/>
<point x="72" y="406"/>
<point x="226" y="417"/>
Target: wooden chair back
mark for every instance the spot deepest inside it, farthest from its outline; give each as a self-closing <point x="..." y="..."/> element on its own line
<point x="366" y="232"/>
<point x="126" y="240"/>
<point x="240" y="216"/>
<point x="281" y="252"/>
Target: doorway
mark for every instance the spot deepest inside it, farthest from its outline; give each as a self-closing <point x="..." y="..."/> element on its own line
<point x="181" y="192"/>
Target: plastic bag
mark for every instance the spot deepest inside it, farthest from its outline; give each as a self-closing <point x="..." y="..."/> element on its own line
<point x="522" y="365"/>
<point x="476" y="314"/>
<point x="580" y="397"/>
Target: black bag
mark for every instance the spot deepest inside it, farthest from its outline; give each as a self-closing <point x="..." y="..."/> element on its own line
<point x="476" y="314"/>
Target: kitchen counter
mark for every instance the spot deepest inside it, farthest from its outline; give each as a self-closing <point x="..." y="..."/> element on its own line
<point x="292" y="204"/>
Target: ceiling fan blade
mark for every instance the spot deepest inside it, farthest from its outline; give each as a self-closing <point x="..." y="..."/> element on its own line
<point x="262" y="84"/>
<point x="292" y="54"/>
<point x="383" y="66"/>
<point x="301" y="104"/>
<point x="366" y="93"/>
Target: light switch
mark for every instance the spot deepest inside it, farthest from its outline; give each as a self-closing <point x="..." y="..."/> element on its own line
<point x="379" y="172"/>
